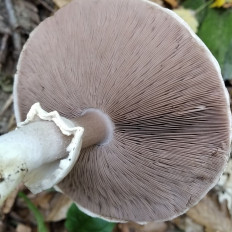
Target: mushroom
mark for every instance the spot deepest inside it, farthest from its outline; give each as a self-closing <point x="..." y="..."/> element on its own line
<point x="130" y="81"/>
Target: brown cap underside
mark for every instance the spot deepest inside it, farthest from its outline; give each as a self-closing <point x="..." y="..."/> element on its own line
<point x="144" y="69"/>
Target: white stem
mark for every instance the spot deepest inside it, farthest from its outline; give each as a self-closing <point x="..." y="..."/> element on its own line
<point x="37" y="152"/>
<point x="25" y="149"/>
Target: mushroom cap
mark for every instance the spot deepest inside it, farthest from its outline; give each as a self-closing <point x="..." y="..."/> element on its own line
<point x="142" y="66"/>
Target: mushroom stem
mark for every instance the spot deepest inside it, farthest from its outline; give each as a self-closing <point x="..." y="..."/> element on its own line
<point x="26" y="149"/>
<point x="98" y="128"/>
<point x="45" y="147"/>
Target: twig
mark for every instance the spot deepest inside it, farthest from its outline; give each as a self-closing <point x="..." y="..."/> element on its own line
<point x="5" y="30"/>
<point x="6" y="105"/>
<point x="202" y="7"/>
<point x="14" y="26"/>
<point x="42" y="2"/>
<point x="3" y="49"/>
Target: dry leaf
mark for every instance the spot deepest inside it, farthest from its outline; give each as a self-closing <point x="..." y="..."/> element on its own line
<point x="189" y="17"/>
<point x="60" y="207"/>
<point x="43" y="200"/>
<point x="123" y="228"/>
<point x="224" y="187"/>
<point x="2" y="227"/>
<point x="209" y="214"/>
<point x="173" y="3"/>
<point x="53" y="205"/>
<point x="187" y="224"/>
<point x="61" y="3"/>
<point x="150" y="227"/>
<point x="23" y="228"/>
<point x="227" y="5"/>
<point x="154" y="227"/>
<point x="9" y="202"/>
<point x="159" y="2"/>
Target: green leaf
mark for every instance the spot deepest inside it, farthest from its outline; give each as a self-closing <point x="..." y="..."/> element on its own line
<point x="216" y="32"/>
<point x="77" y="221"/>
<point x="227" y="68"/>
<point x="193" y="4"/>
<point x="38" y="216"/>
